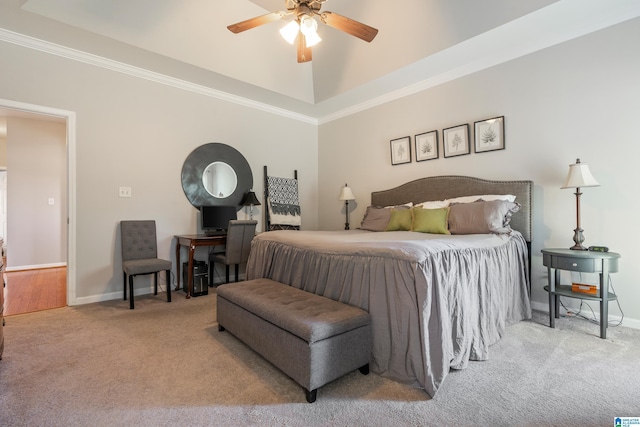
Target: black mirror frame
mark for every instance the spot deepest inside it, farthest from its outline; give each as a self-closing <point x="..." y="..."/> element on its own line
<point x="195" y="164"/>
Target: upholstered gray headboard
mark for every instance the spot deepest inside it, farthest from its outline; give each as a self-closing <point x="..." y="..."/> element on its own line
<point x="446" y="187"/>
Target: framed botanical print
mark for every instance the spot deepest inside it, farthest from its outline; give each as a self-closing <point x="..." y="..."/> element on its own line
<point x="401" y="150"/>
<point x="455" y="140"/>
<point x="426" y="146"/>
<point x="489" y="135"/>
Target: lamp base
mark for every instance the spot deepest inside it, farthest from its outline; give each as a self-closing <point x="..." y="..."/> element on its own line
<point x="346" y="210"/>
<point x="578" y="238"/>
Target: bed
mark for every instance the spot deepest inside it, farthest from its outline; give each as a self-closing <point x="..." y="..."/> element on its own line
<point x="436" y="301"/>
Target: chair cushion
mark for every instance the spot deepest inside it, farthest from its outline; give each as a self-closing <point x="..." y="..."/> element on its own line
<point x="145" y="266"/>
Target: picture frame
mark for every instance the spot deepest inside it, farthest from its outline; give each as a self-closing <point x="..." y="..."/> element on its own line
<point x="426" y="146"/>
<point x="455" y="141"/>
<point x="400" y="150"/>
<point x="489" y="135"/>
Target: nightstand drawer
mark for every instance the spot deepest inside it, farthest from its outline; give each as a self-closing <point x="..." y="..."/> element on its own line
<point x="585" y="265"/>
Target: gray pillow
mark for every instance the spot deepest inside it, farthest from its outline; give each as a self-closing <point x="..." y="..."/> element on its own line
<point x="482" y="217"/>
<point x="376" y="218"/>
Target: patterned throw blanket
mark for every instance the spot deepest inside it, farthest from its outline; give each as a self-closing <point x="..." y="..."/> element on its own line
<point x="284" y="207"/>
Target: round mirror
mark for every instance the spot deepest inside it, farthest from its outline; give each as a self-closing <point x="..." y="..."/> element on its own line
<point x="216" y="174"/>
<point x="219" y="179"/>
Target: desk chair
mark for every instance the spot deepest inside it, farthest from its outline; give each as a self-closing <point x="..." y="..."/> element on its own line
<point x="140" y="255"/>
<point x="239" y="236"/>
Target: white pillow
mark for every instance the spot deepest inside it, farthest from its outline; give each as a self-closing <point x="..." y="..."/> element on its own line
<point x="485" y="197"/>
<point x="408" y="205"/>
<point x="435" y="204"/>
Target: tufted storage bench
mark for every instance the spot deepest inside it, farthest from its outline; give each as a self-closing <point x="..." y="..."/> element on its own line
<point x="312" y="339"/>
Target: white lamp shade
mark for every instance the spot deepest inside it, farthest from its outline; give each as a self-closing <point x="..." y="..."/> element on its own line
<point x="346" y="194"/>
<point x="309" y="27"/>
<point x="290" y="31"/>
<point x="312" y="39"/>
<point x="579" y="176"/>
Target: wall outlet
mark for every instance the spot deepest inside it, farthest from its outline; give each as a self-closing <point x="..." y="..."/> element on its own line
<point x="125" y="192"/>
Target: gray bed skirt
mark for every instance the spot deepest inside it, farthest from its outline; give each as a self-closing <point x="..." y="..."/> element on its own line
<point x="436" y="301"/>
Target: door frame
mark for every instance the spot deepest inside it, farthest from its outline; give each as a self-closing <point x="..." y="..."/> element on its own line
<point x="70" y="118"/>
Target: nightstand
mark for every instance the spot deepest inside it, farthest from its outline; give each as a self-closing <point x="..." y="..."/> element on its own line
<point x="602" y="263"/>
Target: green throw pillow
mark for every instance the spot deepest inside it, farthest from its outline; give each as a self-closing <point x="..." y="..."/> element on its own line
<point x="401" y="220"/>
<point x="434" y="221"/>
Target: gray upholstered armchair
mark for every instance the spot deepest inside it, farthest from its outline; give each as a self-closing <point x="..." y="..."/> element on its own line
<point x="140" y="255"/>
<point x="239" y="236"/>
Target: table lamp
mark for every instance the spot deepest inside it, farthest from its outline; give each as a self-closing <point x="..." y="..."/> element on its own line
<point x="250" y="200"/>
<point x="346" y="194"/>
<point x="579" y="176"/>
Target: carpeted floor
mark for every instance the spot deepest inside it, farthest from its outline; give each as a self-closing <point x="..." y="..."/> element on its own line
<point x="166" y="364"/>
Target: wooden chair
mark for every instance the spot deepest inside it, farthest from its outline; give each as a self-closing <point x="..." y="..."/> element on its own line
<point x="140" y="255"/>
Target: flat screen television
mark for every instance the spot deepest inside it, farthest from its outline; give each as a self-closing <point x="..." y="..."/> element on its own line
<point x="215" y="219"/>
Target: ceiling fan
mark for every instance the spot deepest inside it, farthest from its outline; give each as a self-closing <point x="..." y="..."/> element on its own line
<point x="303" y="27"/>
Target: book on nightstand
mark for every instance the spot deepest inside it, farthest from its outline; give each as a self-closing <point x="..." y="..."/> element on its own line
<point x="585" y="289"/>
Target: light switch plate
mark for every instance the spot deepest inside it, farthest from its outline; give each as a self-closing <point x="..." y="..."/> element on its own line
<point x="125" y="192"/>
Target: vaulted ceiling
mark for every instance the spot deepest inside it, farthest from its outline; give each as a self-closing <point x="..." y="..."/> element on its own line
<point x="420" y="42"/>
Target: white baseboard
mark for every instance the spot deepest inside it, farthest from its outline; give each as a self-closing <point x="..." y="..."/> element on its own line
<point x="138" y="291"/>
<point x="36" y="267"/>
<point x="628" y="322"/>
<point x="141" y="291"/>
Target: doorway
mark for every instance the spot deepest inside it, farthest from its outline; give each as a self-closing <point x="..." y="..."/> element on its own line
<point x="57" y="273"/>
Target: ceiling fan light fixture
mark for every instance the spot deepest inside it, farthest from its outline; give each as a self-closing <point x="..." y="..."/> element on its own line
<point x="309" y="27"/>
<point x="312" y="39"/>
<point x="290" y="31"/>
<point x="304" y="26"/>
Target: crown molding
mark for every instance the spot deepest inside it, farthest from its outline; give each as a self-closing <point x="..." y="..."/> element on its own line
<point x="510" y="41"/>
<point x="561" y="21"/>
<point x="120" y="67"/>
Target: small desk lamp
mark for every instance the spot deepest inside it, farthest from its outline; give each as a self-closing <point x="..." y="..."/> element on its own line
<point x="346" y="194"/>
<point x="250" y="200"/>
<point x="579" y="176"/>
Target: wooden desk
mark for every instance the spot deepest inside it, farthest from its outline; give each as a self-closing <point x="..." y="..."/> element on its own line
<point x="192" y="241"/>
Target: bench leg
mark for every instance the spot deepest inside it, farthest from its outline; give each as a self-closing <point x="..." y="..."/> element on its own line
<point x="311" y="395"/>
<point x="364" y="370"/>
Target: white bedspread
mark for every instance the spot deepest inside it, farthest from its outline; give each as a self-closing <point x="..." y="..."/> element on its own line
<point x="436" y="301"/>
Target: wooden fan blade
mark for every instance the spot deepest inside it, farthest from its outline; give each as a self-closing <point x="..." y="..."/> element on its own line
<point x="349" y="26"/>
<point x="255" y="22"/>
<point x="304" y="52"/>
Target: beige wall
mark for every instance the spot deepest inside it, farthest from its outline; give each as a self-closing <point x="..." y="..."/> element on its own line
<point x="36" y="172"/>
<point x="136" y="133"/>
<point x="579" y="99"/>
